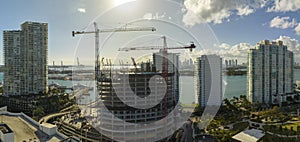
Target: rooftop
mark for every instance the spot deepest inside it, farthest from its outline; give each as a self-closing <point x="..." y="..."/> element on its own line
<point x="5" y="129"/>
<point x="23" y="130"/>
<point x="251" y="135"/>
<point x="267" y="42"/>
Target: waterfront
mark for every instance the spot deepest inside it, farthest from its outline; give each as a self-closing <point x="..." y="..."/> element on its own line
<point x="236" y="86"/>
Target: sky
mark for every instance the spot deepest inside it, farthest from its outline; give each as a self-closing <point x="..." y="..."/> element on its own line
<point x="227" y="27"/>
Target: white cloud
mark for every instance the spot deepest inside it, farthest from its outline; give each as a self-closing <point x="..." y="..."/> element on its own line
<point x="240" y="50"/>
<point x="263" y="3"/>
<point x="216" y="11"/>
<point x="81" y="10"/>
<point x="292" y="44"/>
<point x="244" y="11"/>
<point x="224" y="46"/>
<point x="285" y="6"/>
<point x="150" y="16"/>
<point x="297" y="29"/>
<point x="282" y="22"/>
<point x="147" y="16"/>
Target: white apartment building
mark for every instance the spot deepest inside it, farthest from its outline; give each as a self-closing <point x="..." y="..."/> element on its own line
<point x="270" y="72"/>
<point x="209" y="80"/>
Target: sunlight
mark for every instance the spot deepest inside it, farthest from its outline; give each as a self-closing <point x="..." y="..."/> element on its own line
<point x="120" y="2"/>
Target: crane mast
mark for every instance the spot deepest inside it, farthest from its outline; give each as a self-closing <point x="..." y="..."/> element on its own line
<point x="165" y="72"/>
<point x="97" y="66"/>
<point x="97" y="31"/>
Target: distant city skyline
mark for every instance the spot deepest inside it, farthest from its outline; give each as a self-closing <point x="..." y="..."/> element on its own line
<point x="237" y="25"/>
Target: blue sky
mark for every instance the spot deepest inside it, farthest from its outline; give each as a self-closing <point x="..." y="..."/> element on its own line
<point x="232" y="21"/>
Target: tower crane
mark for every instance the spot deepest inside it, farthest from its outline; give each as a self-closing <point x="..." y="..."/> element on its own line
<point x="164" y="50"/>
<point x="97" y="31"/>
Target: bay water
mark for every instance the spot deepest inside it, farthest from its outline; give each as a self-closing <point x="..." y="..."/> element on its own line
<point x="236" y="86"/>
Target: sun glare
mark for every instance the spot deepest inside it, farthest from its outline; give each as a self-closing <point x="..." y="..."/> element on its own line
<point x="120" y="2"/>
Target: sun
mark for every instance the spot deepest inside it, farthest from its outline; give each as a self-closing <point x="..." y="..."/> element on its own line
<point x="120" y="2"/>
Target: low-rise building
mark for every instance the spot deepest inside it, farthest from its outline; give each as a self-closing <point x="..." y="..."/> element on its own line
<point x="251" y="135"/>
<point x="20" y="127"/>
<point x="6" y="134"/>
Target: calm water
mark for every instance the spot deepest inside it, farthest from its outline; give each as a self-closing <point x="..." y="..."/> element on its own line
<point x="236" y="86"/>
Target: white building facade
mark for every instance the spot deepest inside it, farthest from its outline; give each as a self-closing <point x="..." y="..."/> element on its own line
<point x="270" y="72"/>
<point x="209" y="80"/>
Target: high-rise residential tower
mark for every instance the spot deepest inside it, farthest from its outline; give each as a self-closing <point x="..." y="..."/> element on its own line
<point x="208" y="70"/>
<point x="270" y="72"/>
<point x="13" y="71"/>
<point x="26" y="57"/>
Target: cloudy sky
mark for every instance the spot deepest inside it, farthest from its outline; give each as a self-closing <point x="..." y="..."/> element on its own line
<point x="235" y="24"/>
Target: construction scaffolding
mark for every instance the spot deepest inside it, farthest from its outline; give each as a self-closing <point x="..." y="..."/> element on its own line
<point x="115" y="85"/>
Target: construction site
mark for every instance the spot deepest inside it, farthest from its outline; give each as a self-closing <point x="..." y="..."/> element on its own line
<point x="115" y="85"/>
<point x="133" y="102"/>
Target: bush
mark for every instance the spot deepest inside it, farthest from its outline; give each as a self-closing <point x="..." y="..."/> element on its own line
<point x="240" y="126"/>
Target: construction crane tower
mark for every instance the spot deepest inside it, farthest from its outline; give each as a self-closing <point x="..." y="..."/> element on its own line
<point x="97" y="31"/>
<point x="164" y="51"/>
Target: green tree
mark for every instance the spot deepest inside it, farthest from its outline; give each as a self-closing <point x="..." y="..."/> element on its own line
<point x="281" y="116"/>
<point x="38" y="113"/>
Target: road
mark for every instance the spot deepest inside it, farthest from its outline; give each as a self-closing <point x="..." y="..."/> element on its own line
<point x="48" y="117"/>
<point x="284" y="136"/>
<point x="79" y="92"/>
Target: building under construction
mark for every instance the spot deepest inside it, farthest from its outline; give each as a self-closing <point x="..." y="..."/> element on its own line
<point x="140" y="99"/>
<point x="136" y="102"/>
